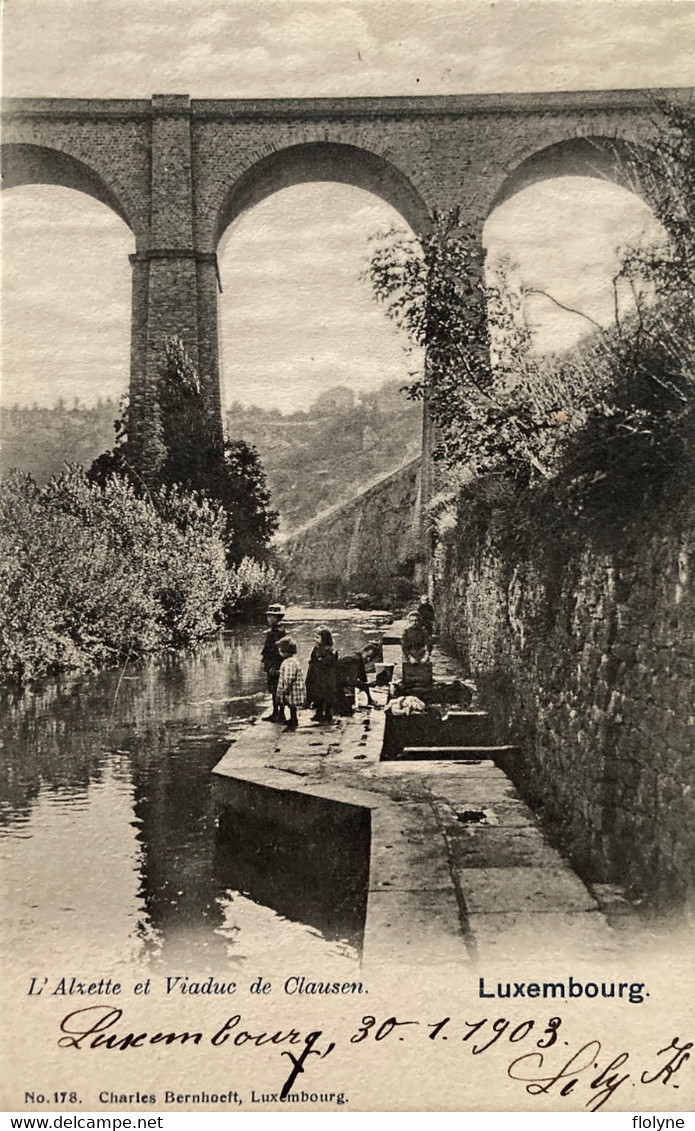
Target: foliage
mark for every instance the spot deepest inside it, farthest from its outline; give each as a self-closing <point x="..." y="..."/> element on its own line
<point x="253" y="586"/>
<point x="474" y="340"/>
<point x="92" y="574"/>
<point x="612" y="423"/>
<point x="238" y="483"/>
<point x="637" y="423"/>
<point x="186" y="450"/>
<point x="665" y="175"/>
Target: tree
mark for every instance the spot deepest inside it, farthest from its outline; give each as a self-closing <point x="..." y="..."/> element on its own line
<point x="474" y="340"/>
<point x="619" y="406"/>
<point x="188" y="453"/>
<point x="238" y="483"/>
<point x="637" y="434"/>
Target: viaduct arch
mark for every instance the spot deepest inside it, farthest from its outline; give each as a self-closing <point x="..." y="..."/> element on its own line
<point x="178" y="171"/>
<point x="26" y="164"/>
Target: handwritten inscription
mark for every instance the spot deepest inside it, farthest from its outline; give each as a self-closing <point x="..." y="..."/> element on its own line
<point x="547" y="1066"/>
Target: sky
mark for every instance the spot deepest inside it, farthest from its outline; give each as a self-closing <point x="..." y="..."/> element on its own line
<point x="295" y="317"/>
<point x="237" y="48"/>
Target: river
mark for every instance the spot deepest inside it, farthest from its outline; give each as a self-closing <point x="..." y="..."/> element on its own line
<point x="108" y="831"/>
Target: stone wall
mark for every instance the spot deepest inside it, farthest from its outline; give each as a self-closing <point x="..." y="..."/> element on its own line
<point x="359" y="546"/>
<point x="586" y="657"/>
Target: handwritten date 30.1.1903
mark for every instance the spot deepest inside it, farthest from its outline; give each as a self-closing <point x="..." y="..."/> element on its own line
<point x="546" y="1060"/>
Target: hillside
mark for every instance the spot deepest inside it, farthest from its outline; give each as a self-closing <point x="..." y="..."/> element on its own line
<point x="312" y="459"/>
<point x="40" y="440"/>
<point x="321" y="457"/>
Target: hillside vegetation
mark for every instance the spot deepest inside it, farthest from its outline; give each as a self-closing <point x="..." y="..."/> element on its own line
<point x="40" y="441"/>
<point x="324" y="456"/>
<point x="312" y="459"/>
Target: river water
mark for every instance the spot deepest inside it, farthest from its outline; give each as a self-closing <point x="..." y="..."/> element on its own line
<point x="108" y="835"/>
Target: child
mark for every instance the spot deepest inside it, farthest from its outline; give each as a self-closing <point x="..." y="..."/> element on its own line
<point x="426" y="611"/>
<point x="291" y="691"/>
<point x="271" y="659"/>
<point x="322" y="677"/>
<point x="416" y="642"/>
<point x="352" y="675"/>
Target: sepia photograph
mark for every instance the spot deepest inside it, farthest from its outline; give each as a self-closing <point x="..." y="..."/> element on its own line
<point x="347" y="556"/>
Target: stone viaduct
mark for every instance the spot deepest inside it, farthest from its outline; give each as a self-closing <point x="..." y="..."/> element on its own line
<point x="179" y="171"/>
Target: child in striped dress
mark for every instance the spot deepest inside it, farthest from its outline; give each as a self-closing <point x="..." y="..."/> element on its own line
<point x="291" y="690"/>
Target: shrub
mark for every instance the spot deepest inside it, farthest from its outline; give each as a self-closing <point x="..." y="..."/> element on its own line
<point x="252" y="587"/>
<point x="93" y="574"/>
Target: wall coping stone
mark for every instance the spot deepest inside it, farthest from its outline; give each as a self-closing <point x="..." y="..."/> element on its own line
<point x="378" y="107"/>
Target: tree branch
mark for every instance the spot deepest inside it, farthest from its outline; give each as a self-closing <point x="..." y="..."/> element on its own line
<point x="563" y="306"/>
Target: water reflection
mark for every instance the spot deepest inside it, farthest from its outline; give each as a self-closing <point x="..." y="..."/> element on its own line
<point x="317" y="876"/>
<point x="107" y="827"/>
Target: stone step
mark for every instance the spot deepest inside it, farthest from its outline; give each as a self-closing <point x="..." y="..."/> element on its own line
<point x="457" y="728"/>
<point x="473" y="754"/>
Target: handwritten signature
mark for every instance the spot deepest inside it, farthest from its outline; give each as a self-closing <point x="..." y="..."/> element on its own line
<point x="581" y="1066"/>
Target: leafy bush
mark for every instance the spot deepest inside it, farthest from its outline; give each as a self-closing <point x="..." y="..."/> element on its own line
<point x="252" y="587"/>
<point x="93" y="574"/>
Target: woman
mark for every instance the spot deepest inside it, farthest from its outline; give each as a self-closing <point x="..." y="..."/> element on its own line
<point x="416" y="642"/>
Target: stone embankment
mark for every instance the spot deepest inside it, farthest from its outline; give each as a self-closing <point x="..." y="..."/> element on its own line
<point x="459" y="867"/>
<point x="361" y="545"/>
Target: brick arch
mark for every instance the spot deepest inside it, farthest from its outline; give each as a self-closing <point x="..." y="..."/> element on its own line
<point x="323" y="161"/>
<point x="602" y="158"/>
<point x="25" y="164"/>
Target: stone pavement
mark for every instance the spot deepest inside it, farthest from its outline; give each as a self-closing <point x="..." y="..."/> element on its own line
<point x="459" y="868"/>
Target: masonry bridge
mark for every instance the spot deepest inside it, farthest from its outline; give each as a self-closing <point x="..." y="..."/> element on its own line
<point x="179" y="171"/>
